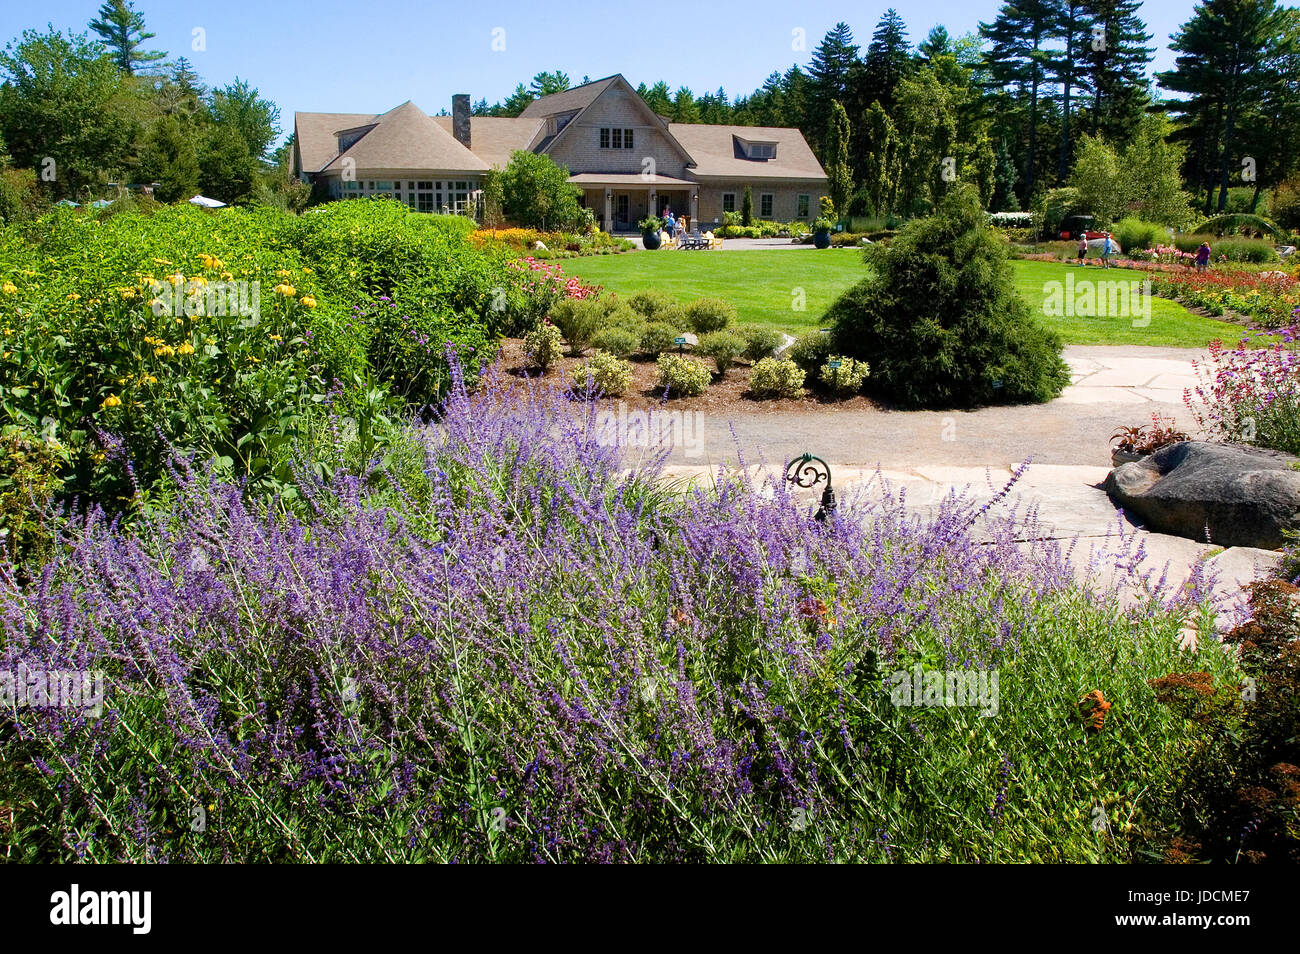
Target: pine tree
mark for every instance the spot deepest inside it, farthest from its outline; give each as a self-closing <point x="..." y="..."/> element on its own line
<point x="1074" y="31"/>
<point x="121" y="29"/>
<point x="936" y="43"/>
<point x="828" y="75"/>
<point x="887" y="61"/>
<point x="1224" y="52"/>
<point x="1019" y="57"/>
<point x="1115" y="59"/>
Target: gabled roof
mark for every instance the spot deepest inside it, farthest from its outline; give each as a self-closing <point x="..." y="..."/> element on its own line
<point x="717" y="152"/>
<point x="494" y="138"/>
<point x="576" y="97"/>
<point x="316" y="139"/>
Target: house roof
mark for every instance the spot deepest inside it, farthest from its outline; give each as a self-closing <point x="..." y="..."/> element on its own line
<point x="717" y="153"/>
<point x="626" y="179"/>
<point x="314" y="134"/>
<point x="402" y="138"/>
<point x="494" y="138"/>
<point x="576" y="97"/>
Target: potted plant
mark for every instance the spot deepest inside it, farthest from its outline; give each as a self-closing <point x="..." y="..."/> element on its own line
<point x="650" y="227"/>
<point x="821" y="229"/>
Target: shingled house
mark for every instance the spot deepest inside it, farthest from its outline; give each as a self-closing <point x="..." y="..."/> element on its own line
<point x="626" y="159"/>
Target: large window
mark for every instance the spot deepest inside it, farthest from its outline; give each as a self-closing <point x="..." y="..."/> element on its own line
<point x="765" y="205"/>
<point x="728" y="202"/>
<point x="804" y="202"/>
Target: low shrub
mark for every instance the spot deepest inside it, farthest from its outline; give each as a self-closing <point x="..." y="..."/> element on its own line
<point x="1146" y="439"/>
<point x="602" y="374"/>
<point x="810" y="350"/>
<point x="1134" y="235"/>
<point x="616" y="340"/>
<point x="1253" y="251"/>
<point x="773" y="378"/>
<point x="542" y="346"/>
<point x="658" y="306"/>
<point x="723" y="347"/>
<point x="656" y="338"/>
<point x="760" y="342"/>
<point x="683" y="376"/>
<point x="709" y="314"/>
<point x="29" y="481"/>
<point x="1251" y="394"/>
<point x="578" y="320"/>
<point x="848" y="378"/>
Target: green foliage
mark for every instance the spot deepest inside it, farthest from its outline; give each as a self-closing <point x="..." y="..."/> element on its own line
<point x="617" y="340"/>
<point x="1135" y="235"/>
<point x="29" y="481"/>
<point x="578" y="320"/>
<point x="1242" y="222"/>
<point x="1152" y="179"/>
<point x="707" y="314"/>
<point x="838" y="170"/>
<point x="20" y="196"/>
<point x="1097" y="179"/>
<point x="760" y="341"/>
<point x="683" y="376"/>
<point x="542" y="346"/>
<point x="747" y="207"/>
<point x="658" y="306"/>
<point x="940" y="319"/>
<point x="848" y="378"/>
<point x="121" y="28"/>
<point x="602" y="374"/>
<point x="773" y="378"/>
<point x="1055" y="206"/>
<point x="724" y="347"/>
<point x="1252" y="251"/>
<point x="656" y="338"/>
<point x="537" y="192"/>
<point x="810" y="350"/>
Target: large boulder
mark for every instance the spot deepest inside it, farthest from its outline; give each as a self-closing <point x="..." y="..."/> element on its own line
<point x="1245" y="496"/>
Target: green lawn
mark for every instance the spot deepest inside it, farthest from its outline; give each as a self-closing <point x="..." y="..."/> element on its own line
<point x="791" y="290"/>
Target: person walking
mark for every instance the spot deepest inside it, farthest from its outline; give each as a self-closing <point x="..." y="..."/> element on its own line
<point x="1203" y="257"/>
<point x="1107" y="250"/>
<point x="1083" y="246"/>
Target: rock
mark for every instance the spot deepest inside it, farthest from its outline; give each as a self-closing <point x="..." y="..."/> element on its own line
<point x="1245" y="496"/>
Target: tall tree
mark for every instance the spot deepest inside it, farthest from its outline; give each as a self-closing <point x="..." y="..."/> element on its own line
<point x="1115" y="57"/>
<point x="684" y="108"/>
<point x="838" y="171"/>
<point x="237" y="108"/>
<point x="1224" y="52"/>
<point x="1074" y="32"/>
<point x="887" y="61"/>
<point x="1019" y="57"/>
<point x="544" y="84"/>
<point x="121" y="30"/>
<point x="63" y="109"/>
<point x="828" y="74"/>
<point x="881" y="159"/>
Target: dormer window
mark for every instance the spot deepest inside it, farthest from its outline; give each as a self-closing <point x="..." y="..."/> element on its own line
<point x="756" y="150"/>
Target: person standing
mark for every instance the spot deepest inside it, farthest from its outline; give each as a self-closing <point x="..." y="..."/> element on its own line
<point x="1107" y="250"/>
<point x="1083" y="246"/>
<point x="1203" y="257"/>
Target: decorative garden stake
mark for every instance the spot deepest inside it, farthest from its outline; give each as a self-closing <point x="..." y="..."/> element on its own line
<point x="804" y="471"/>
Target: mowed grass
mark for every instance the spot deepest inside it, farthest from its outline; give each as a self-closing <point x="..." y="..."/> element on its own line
<point x="791" y="290"/>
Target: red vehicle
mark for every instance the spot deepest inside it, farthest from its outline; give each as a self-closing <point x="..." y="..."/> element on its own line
<point x="1078" y="226"/>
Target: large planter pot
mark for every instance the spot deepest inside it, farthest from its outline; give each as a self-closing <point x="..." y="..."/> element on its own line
<point x="822" y="239"/>
<point x="650" y="240"/>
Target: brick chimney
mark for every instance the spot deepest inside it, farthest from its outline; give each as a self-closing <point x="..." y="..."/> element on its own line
<point x="460" y="118"/>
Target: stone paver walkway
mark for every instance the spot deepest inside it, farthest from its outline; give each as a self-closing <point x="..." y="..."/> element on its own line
<point x="930" y="454"/>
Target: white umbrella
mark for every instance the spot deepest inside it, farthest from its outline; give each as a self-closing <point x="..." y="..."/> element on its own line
<point x="207" y="203"/>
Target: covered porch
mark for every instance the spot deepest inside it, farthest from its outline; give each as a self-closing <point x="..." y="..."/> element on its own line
<point x="621" y="200"/>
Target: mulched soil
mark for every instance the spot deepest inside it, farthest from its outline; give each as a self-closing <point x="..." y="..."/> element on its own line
<point x="729" y="394"/>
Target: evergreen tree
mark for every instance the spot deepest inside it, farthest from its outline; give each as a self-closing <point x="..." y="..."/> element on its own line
<point x="881" y="160"/>
<point x="544" y="84"/>
<point x="1074" y="32"/>
<point x="1224" y="52"/>
<point x="828" y="75"/>
<point x="172" y="160"/>
<point x="1019" y="57"/>
<point x="936" y="43"/>
<point x="1115" y="60"/>
<point x="747" y="207"/>
<point x="684" y="108"/>
<point x="887" y="61"/>
<point x="121" y="30"/>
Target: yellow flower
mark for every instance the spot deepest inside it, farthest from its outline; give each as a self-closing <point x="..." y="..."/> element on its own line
<point x="306" y="270"/>
<point x="9" y="288"/>
<point x="283" y="273"/>
<point x="210" y="341"/>
<point x="148" y="379"/>
<point x="287" y="290"/>
<point x="161" y="261"/>
<point x="164" y="351"/>
<point x="185" y="348"/>
<point x="307" y="301"/>
<point x="276" y="338"/>
<point x="111" y="401"/>
<point x="127" y="293"/>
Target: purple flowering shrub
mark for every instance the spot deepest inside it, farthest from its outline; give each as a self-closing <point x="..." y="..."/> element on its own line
<point x="512" y="648"/>
<point x="1250" y="394"/>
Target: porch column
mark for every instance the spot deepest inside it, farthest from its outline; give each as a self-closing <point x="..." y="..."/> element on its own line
<point x="650" y="208"/>
<point x="609" y="210"/>
<point x="695" y="208"/>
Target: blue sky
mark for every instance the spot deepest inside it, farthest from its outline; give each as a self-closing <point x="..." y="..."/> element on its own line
<point x="371" y="55"/>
